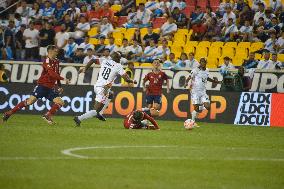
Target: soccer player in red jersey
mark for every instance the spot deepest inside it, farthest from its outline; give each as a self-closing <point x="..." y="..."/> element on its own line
<point x="135" y="120"/>
<point x="153" y="91"/>
<point x="46" y="87"/>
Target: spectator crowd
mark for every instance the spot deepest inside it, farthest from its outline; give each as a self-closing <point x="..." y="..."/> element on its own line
<point x="27" y="30"/>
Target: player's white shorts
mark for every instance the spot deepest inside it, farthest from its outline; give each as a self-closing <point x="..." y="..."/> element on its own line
<point x="100" y="94"/>
<point x="199" y="98"/>
<point x="43" y="51"/>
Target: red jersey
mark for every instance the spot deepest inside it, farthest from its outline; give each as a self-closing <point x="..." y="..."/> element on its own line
<point x="129" y="123"/>
<point x="50" y="73"/>
<point x="156" y="81"/>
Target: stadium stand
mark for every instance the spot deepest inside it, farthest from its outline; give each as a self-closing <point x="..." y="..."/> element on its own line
<point x="184" y="40"/>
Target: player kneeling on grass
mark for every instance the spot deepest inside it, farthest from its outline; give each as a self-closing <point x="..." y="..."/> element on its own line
<point x="110" y="69"/>
<point x="156" y="79"/>
<point x="199" y="77"/>
<point x="138" y="120"/>
<point x="46" y="87"/>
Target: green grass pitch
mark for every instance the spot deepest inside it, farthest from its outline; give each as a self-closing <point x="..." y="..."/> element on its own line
<point x="212" y="156"/>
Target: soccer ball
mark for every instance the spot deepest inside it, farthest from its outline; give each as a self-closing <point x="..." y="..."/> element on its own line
<point x="189" y="124"/>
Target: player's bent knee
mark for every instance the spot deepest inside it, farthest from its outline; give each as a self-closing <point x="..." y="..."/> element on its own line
<point x="59" y="101"/>
<point x="31" y="100"/>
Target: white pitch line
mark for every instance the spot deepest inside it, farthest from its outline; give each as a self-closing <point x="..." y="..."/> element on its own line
<point x="69" y="151"/>
<point x="140" y="158"/>
<point x="73" y="156"/>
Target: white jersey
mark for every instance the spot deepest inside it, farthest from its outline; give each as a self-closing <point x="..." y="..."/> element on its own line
<point x="108" y="72"/>
<point x="199" y="79"/>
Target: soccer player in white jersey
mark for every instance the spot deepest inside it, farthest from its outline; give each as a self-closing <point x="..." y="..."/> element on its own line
<point x="199" y="77"/>
<point x="110" y="69"/>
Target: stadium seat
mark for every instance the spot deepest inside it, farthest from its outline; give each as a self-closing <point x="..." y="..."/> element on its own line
<point x="189" y="35"/>
<point x="214" y="4"/>
<point x="121" y="20"/>
<point x="241" y="52"/>
<point x="214" y="52"/>
<point x="115" y="8"/>
<point x="93" y="31"/>
<point x="267" y="2"/>
<point x="122" y="30"/>
<point x="244" y="45"/>
<point x="190" y="46"/>
<point x="188" y="10"/>
<point x="190" y="3"/>
<point x="202" y="4"/>
<point x="180" y="37"/>
<point x="94" y="41"/>
<point x="237" y="61"/>
<point x="136" y="64"/>
<point x="129" y="33"/>
<point x="228" y="51"/>
<point x="258" y="56"/>
<point x="212" y="62"/>
<point x="176" y="48"/>
<point x="281" y="57"/>
<point x="177" y="55"/>
<point x="140" y="1"/>
<point x="118" y="42"/>
<point x="170" y="43"/>
<point x="231" y="44"/>
<point x="256" y="46"/>
<point x="201" y="52"/>
<point x="192" y="43"/>
<point x="217" y="44"/>
<point x="158" y="22"/>
<point x="117" y="35"/>
<point x="178" y="43"/>
<point x="146" y="65"/>
<point x="156" y="30"/>
<point x="183" y="31"/>
<point x="143" y="32"/>
<point x="204" y="44"/>
<point x="188" y="49"/>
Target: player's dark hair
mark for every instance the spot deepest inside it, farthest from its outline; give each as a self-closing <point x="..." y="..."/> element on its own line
<point x="137" y="115"/>
<point x="51" y="47"/>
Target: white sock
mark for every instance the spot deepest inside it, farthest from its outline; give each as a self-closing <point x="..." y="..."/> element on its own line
<point x="194" y="114"/>
<point x="105" y="106"/>
<point x="88" y="115"/>
<point x="145" y="109"/>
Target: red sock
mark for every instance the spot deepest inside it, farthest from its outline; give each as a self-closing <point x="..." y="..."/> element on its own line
<point x="18" y="107"/>
<point x="53" y="109"/>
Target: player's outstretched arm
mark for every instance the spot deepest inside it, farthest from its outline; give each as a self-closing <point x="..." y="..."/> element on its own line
<point x="88" y="65"/>
<point x="215" y="80"/>
<point x="127" y="79"/>
<point x="149" y="118"/>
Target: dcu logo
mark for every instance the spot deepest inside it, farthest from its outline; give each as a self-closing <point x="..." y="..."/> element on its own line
<point x="254" y="109"/>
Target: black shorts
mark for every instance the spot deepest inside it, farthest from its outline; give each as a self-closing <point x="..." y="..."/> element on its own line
<point x="41" y="91"/>
<point x="154" y="98"/>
